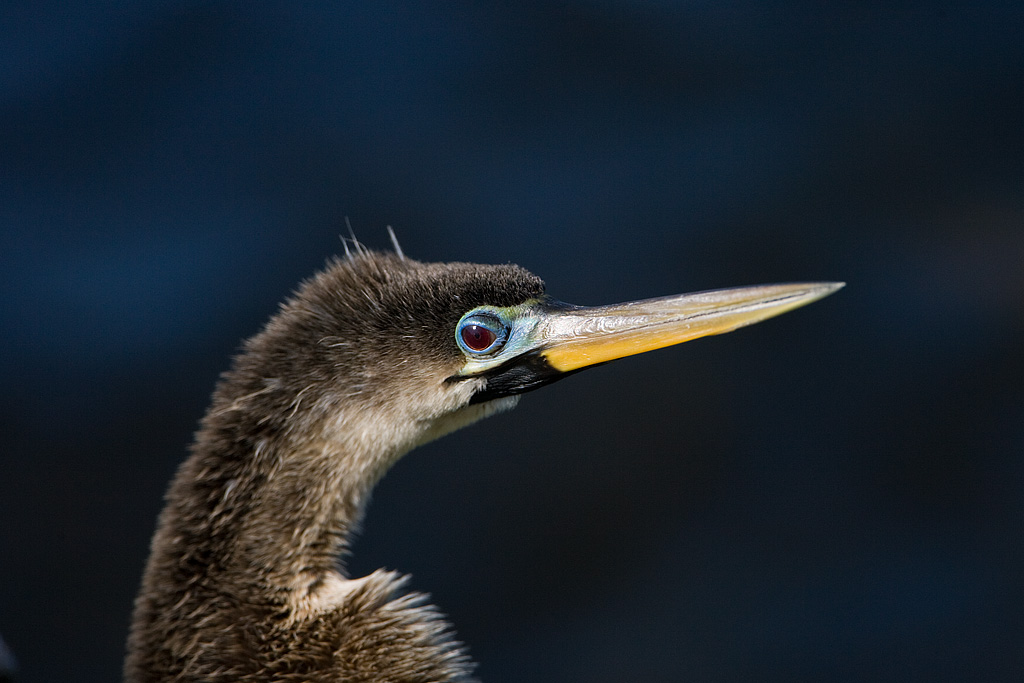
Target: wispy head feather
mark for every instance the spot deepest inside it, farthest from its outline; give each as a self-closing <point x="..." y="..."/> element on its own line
<point x="358" y="247"/>
<point x="394" y="242"/>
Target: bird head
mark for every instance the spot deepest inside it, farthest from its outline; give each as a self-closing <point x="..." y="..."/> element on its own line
<point x="394" y="352"/>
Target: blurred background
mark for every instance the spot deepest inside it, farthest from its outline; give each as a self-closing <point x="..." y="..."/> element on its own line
<point x="834" y="495"/>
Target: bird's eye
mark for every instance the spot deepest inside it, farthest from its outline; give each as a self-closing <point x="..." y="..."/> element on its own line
<point x="481" y="333"/>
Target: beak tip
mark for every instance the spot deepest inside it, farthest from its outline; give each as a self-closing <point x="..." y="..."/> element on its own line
<point x="830" y="288"/>
<point x="827" y="288"/>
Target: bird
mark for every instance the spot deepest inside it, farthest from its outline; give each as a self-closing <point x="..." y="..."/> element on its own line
<point x="373" y="356"/>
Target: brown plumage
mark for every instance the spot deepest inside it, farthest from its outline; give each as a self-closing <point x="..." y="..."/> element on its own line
<point x="245" y="581"/>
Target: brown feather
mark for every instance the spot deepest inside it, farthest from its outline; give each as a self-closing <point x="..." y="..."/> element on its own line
<point x="245" y="580"/>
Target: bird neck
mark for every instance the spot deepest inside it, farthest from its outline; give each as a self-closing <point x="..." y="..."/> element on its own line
<point x="269" y="506"/>
<point x="278" y="481"/>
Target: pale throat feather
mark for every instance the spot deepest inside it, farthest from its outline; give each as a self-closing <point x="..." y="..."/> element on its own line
<point x="326" y="481"/>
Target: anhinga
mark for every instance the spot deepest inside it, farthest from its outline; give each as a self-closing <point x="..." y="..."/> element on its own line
<point x="370" y="358"/>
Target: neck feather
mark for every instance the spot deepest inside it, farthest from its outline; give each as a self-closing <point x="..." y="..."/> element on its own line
<point x="274" y="510"/>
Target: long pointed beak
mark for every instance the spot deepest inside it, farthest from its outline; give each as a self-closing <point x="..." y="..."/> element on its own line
<point x="571" y="339"/>
<point x="550" y="340"/>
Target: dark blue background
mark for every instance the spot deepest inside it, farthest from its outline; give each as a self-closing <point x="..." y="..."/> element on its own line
<point x="834" y="495"/>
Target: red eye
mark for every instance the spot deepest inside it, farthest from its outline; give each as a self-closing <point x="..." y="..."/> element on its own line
<point x="478" y="337"/>
<point x="481" y="333"/>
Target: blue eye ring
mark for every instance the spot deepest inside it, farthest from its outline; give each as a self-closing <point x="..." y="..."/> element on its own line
<point x="481" y="333"/>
